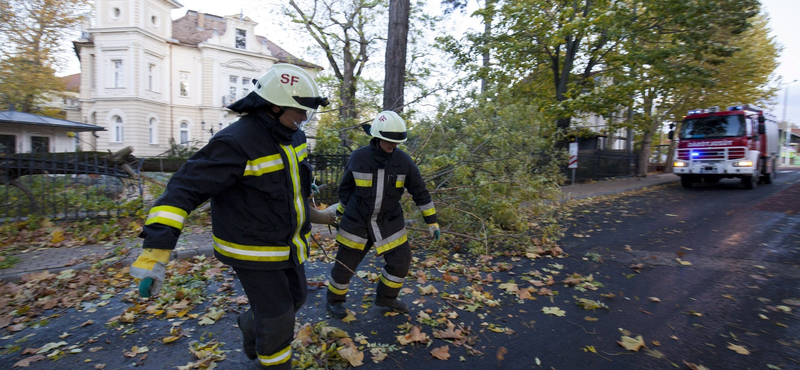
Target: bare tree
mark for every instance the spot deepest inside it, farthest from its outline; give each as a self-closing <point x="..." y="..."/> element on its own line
<point x="343" y="29"/>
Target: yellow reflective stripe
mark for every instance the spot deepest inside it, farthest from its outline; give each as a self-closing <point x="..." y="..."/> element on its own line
<point x="276" y="359"/>
<point x="260" y="166"/>
<point x="336" y="290"/>
<point x="389" y="283"/>
<point x="401" y="181"/>
<point x="350" y="243"/>
<point x="340" y="208"/>
<point x="427" y="209"/>
<point x="252" y="252"/>
<point x="167" y="215"/>
<point x="364" y="183"/>
<point x="302" y="151"/>
<point x="299" y="204"/>
<point x="363" y="179"/>
<point x="391" y="244"/>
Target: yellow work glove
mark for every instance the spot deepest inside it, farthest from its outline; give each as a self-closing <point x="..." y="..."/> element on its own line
<point x="434" y="230"/>
<point x="150" y="268"/>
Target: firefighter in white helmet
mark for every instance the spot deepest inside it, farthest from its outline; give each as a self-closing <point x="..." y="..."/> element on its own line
<point x="371" y="215"/>
<point x="257" y="175"/>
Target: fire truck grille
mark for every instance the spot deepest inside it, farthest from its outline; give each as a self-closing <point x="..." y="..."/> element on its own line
<point x="711" y="154"/>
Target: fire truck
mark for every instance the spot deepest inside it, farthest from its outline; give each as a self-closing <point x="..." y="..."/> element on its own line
<point x="740" y="142"/>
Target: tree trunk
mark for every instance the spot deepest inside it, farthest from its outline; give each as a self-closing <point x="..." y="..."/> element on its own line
<point x="487" y="34"/>
<point x="396" y="43"/>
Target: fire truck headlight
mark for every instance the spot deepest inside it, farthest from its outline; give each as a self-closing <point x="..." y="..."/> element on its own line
<point x="679" y="164"/>
<point x="743" y="164"/>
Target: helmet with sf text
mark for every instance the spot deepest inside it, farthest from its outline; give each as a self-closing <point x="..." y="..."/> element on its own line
<point x="288" y="85"/>
<point x="389" y="126"/>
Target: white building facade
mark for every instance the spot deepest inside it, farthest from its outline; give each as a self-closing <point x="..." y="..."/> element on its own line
<point x="148" y="79"/>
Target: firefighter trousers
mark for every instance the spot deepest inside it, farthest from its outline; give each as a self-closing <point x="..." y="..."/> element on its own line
<point x="397" y="263"/>
<point x="275" y="296"/>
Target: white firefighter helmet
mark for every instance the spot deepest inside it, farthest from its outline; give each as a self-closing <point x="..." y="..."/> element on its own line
<point x="389" y="126"/>
<point x="288" y="85"/>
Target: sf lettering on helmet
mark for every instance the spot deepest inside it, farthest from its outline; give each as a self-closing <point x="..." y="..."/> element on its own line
<point x="289" y="79"/>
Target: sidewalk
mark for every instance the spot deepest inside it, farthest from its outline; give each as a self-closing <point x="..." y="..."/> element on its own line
<point x="56" y="260"/>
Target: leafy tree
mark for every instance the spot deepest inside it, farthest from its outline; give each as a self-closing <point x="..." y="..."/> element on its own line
<point x="33" y="32"/>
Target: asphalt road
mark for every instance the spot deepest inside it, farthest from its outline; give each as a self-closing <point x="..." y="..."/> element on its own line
<point x="722" y="262"/>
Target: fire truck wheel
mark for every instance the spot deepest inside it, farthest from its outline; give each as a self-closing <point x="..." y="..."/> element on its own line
<point x="686" y="181"/>
<point x="750" y="182"/>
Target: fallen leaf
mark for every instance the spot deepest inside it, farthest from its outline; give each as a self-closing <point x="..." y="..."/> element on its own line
<point x="430" y="289"/>
<point x="442" y="353"/>
<point x="351" y="316"/>
<point x="694" y="367"/>
<point x="738" y="349"/>
<point x="654" y="299"/>
<point x="26" y="362"/>
<point x="413" y="335"/>
<point x="352" y="355"/>
<point x="683" y="263"/>
<point x="501" y="353"/>
<point x="632" y="344"/>
<point x="378" y="355"/>
<point x="553" y="311"/>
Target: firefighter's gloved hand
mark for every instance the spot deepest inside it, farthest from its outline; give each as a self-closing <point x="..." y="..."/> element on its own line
<point x="150" y="268"/>
<point x="325" y="217"/>
<point x="434" y="230"/>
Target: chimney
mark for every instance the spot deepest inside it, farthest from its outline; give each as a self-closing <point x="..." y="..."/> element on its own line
<point x="200" y="20"/>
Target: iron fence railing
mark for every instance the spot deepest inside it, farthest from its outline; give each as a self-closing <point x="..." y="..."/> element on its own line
<point x="328" y="171"/>
<point x="69" y="185"/>
<point x="602" y="164"/>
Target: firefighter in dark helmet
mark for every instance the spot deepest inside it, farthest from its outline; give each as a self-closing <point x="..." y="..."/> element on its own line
<point x="371" y="215"/>
<point x="257" y="175"/>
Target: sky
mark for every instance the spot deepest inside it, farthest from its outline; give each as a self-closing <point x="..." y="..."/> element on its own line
<point x="782" y="13"/>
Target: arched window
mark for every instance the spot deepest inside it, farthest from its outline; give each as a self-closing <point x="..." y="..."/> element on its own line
<point x="153" y="132"/>
<point x="117" y="130"/>
<point x="184" y="132"/>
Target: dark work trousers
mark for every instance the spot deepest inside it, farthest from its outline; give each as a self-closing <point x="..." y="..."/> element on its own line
<point x="275" y="296"/>
<point x="398" y="261"/>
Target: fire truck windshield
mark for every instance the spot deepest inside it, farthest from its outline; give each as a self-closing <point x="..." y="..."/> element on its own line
<point x="713" y="127"/>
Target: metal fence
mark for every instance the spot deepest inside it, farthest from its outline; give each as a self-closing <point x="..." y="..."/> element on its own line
<point x="328" y="171"/>
<point x="602" y="164"/>
<point x="69" y="186"/>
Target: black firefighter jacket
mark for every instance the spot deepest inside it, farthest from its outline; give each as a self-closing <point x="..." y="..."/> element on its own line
<point x="369" y="198"/>
<point x="256" y="173"/>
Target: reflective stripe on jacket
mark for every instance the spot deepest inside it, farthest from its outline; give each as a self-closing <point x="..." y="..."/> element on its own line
<point x="258" y="188"/>
<point x="369" y="198"/>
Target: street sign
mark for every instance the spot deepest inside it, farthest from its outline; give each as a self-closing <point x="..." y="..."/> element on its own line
<point x="573" y="155"/>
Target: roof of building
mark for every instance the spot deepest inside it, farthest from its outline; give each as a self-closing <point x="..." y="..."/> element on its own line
<point x="72" y="82"/>
<point x="12" y="116"/>
<point x="192" y="30"/>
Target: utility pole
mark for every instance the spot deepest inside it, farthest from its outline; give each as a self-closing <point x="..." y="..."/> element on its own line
<point x="787" y="129"/>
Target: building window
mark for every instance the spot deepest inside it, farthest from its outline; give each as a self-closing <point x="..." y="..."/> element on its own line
<point x="8" y="144"/>
<point x="153" y="133"/>
<point x="184" y="85"/>
<point x="184" y="133"/>
<point x="151" y="75"/>
<point x="40" y="144"/>
<point x="241" y="39"/>
<point x="245" y="86"/>
<point x="118" y="75"/>
<point x="117" y="130"/>
<point x="233" y="87"/>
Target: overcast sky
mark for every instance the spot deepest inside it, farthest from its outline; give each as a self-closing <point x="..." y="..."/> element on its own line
<point x="783" y="23"/>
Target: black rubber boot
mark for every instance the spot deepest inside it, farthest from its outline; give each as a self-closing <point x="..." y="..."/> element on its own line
<point x="392" y="304"/>
<point x="336" y="310"/>
<point x="247" y="326"/>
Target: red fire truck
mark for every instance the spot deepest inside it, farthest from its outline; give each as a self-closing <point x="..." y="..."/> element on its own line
<point x="741" y="142"/>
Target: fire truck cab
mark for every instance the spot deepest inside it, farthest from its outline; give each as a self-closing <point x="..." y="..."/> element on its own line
<point x="740" y="142"/>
